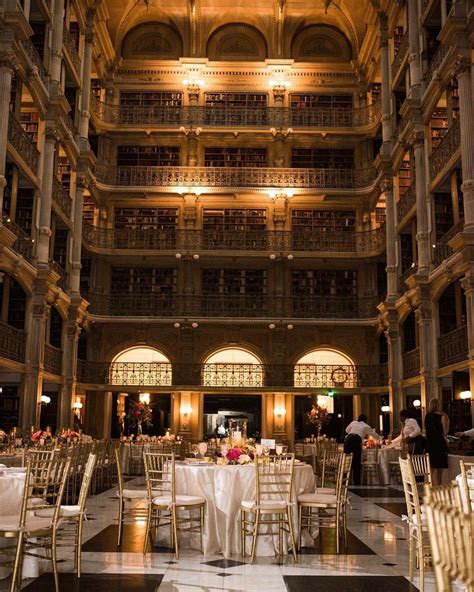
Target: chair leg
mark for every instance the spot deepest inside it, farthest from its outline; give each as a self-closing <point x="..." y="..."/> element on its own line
<point x="120" y="521"/>
<point x="421" y="560"/>
<point x="201" y="527"/>
<point x="16" y="568"/>
<point x="300" y="510"/>
<point x="54" y="562"/>
<point x="292" y="534"/>
<point x="410" y="557"/>
<point x="175" y="531"/>
<point x="337" y="531"/>
<point x="242" y="533"/>
<point x="148" y="528"/>
<point x="255" y="534"/>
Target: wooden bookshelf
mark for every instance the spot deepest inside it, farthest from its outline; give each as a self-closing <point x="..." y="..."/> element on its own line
<point x="60" y="247"/>
<point x="24" y="208"/>
<point x="39" y="37"/>
<point x="75" y="32"/>
<point x="398" y="33"/>
<point x="322" y="158"/>
<point x="229" y="99"/>
<point x="30" y="122"/>
<point x="312" y="220"/>
<point x="13" y="92"/>
<point x="455" y="98"/>
<point x="375" y="92"/>
<point x="7" y="195"/>
<point x="96" y="88"/>
<point x="143" y="218"/>
<point x="17" y="306"/>
<point x="404" y="177"/>
<point x="144" y="280"/>
<point x="380" y="216"/>
<point x="406" y="251"/>
<point x="55" y="328"/>
<point x="149" y="98"/>
<point x="232" y="219"/>
<point x="9" y="407"/>
<point x="88" y="209"/>
<point x="64" y="173"/>
<point x="321" y="282"/>
<point x="438" y="126"/>
<point x="148" y="156"/>
<point x="86" y="271"/>
<point x="320" y="101"/>
<point x="226" y="156"/>
<point x="234" y="281"/>
<point x="444" y="218"/>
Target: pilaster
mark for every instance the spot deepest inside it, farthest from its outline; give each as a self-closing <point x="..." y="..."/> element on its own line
<point x="395" y="368"/>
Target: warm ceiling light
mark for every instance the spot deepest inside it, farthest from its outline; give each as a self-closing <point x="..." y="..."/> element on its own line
<point x="465" y="395"/>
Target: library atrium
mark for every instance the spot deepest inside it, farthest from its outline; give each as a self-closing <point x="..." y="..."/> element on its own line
<point x="235" y="226"/>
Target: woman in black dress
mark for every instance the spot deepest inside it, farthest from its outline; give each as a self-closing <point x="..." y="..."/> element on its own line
<point x="437" y="427"/>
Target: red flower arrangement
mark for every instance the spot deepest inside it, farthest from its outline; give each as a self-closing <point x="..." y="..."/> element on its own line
<point x="140" y="413"/>
<point x="318" y="416"/>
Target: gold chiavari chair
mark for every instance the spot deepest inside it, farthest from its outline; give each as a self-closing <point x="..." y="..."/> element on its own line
<point x="45" y="480"/>
<point x="421" y="467"/>
<point x="130" y="500"/>
<point x="419" y="547"/>
<point x="370" y="465"/>
<point x="467" y="484"/>
<point x="272" y="505"/>
<point x="327" y="510"/>
<point x="135" y="463"/>
<point x="165" y="506"/>
<point x="329" y="466"/>
<point x="451" y="535"/>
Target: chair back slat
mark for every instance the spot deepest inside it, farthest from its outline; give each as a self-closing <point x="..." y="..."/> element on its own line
<point x="86" y="480"/>
<point x="467" y="481"/>
<point x="421" y="466"/>
<point x="410" y="489"/>
<point x="160" y="475"/>
<point x="274" y="478"/>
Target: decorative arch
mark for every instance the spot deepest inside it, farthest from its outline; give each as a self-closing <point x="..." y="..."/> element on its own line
<point x="325" y="368"/>
<point x="321" y="43"/>
<point x="236" y="42"/>
<point x="233" y="367"/>
<point x="152" y="41"/>
<point x="141" y="365"/>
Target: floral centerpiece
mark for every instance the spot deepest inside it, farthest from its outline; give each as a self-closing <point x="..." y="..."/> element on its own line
<point x="3" y="435"/>
<point x="41" y="435"/>
<point x="237" y="455"/>
<point x="317" y="416"/>
<point x="69" y="436"/>
<point x="140" y="414"/>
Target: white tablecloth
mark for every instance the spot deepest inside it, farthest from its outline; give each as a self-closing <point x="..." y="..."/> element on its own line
<point x="470" y="481"/>
<point x="11" y="492"/>
<point x="224" y="487"/>
<point x="454" y="467"/>
<point x="385" y="457"/>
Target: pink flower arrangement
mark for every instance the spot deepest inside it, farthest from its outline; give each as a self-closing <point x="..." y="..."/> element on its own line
<point x="234" y="454"/>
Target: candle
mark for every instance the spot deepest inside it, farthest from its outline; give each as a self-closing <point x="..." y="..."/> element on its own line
<point x="381" y="423"/>
<point x="237" y="438"/>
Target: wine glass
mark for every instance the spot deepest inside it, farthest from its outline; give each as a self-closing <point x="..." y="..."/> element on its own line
<point x="195" y="450"/>
<point x="259" y="449"/>
<point x="202" y="447"/>
<point x="279" y="449"/>
<point x="266" y="451"/>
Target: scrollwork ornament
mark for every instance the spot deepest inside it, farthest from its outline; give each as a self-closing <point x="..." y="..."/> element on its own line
<point x="8" y="61"/>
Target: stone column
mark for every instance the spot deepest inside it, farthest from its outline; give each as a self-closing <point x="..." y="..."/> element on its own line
<point x="395" y="369"/>
<point x="428" y="349"/>
<point x="467" y="284"/>
<point x="386" y="83"/>
<point x="391" y="238"/>
<point x="279" y="136"/>
<point x="69" y="369"/>
<point x="422" y="209"/>
<point x="44" y="233"/>
<point x="466" y="112"/>
<point x="6" y="73"/>
<point x="192" y="135"/>
<point x="56" y="47"/>
<point x="414" y="49"/>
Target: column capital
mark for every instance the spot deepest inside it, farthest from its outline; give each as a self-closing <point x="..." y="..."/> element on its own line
<point x="462" y="65"/>
<point x="8" y="60"/>
<point x="383" y="25"/>
<point x="386" y="185"/>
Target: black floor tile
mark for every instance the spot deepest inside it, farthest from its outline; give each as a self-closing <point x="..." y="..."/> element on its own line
<point x="325" y="544"/>
<point x="98" y="583"/>
<point x="348" y="584"/>
<point x="223" y="563"/>
<point x="397" y="508"/>
<point x="132" y="541"/>
<point x="377" y="492"/>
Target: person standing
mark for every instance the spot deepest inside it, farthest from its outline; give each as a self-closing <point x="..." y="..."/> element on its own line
<point x="410" y="434"/>
<point x="437" y="428"/>
<point x="357" y="432"/>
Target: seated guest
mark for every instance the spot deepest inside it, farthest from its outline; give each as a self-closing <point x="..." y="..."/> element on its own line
<point x="356" y="432"/>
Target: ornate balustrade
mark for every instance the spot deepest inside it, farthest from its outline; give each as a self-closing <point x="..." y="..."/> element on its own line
<point x="436" y="62"/>
<point x="69" y="124"/>
<point x="52" y="359"/>
<point x="401" y="55"/>
<point x="232" y="306"/>
<point x="12" y="343"/>
<point x="35" y="59"/>
<point x="453" y="347"/>
<point x="61" y="198"/>
<point x="71" y="51"/>
<point x="23" y="244"/>
<point x="215" y="116"/>
<point x="270" y="241"/>
<point x="409" y="271"/>
<point x="59" y="269"/>
<point x="442" y="250"/>
<point x="411" y="363"/>
<point x="22" y="144"/>
<point x="406" y="202"/>
<point x="231" y="375"/>
<point x="446" y="149"/>
<point x="186" y="178"/>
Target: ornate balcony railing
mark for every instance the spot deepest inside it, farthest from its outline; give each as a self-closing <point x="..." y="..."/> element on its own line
<point x="69" y="124"/>
<point x="442" y="250"/>
<point x="446" y="149"/>
<point x="61" y="198"/>
<point x="71" y="50"/>
<point x="401" y="55"/>
<point x="231" y="375"/>
<point x="215" y="116"/>
<point x="23" y="244"/>
<point x="436" y="62"/>
<point x="21" y="142"/>
<point x="35" y="59"/>
<point x="453" y="347"/>
<point x="406" y="202"/>
<point x="187" y="178"/>
<point x="408" y="272"/>
<point x="59" y="269"/>
<point x="371" y="241"/>
<point x="411" y="363"/>
<point x="52" y="359"/>
<point x="12" y="343"/>
<point x="232" y="306"/>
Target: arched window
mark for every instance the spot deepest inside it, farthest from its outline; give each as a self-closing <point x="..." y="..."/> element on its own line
<point x="141" y="366"/>
<point x="233" y="367"/>
<point x="325" y="368"/>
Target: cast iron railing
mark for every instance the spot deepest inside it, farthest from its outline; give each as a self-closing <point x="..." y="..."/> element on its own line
<point x="52" y="359"/>
<point x="12" y="343"/>
<point x="406" y="202"/>
<point x="401" y="55"/>
<point x="35" y="59"/>
<point x="61" y="198"/>
<point x="22" y="143"/>
<point x="411" y="363"/>
<point x="442" y="250"/>
<point x="436" y="62"/>
<point x="453" y="347"/>
<point x="23" y="244"/>
<point x="71" y="50"/>
<point x="445" y="150"/>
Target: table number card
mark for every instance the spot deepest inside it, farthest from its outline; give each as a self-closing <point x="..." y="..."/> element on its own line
<point x="269" y="443"/>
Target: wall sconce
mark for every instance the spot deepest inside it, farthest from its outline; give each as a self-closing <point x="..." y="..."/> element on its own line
<point x="77" y="406"/>
<point x="279" y="87"/>
<point x="465" y="395"/>
<point x="417" y="403"/>
<point x="193" y="86"/>
<point x="144" y="398"/>
<point x="186" y="410"/>
<point x="326" y="402"/>
<point x="45" y="400"/>
<point x="279" y="411"/>
<point x="385" y="409"/>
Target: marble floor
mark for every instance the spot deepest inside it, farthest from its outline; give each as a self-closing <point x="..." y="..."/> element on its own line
<point x="376" y="557"/>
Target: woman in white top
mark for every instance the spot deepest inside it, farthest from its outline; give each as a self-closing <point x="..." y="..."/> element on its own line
<point x="411" y="433"/>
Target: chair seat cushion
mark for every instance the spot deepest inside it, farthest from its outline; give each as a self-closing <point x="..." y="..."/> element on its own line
<point x="33" y="524"/>
<point x="265" y="505"/>
<point x="135" y="493"/>
<point x="317" y="498"/>
<point x="326" y="490"/>
<point x="181" y="500"/>
<point x="66" y="512"/>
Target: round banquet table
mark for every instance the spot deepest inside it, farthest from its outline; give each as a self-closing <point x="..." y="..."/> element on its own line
<point x="224" y="487"/>
<point x="12" y="485"/>
<point x="470" y="481"/>
<point x="385" y="457"/>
